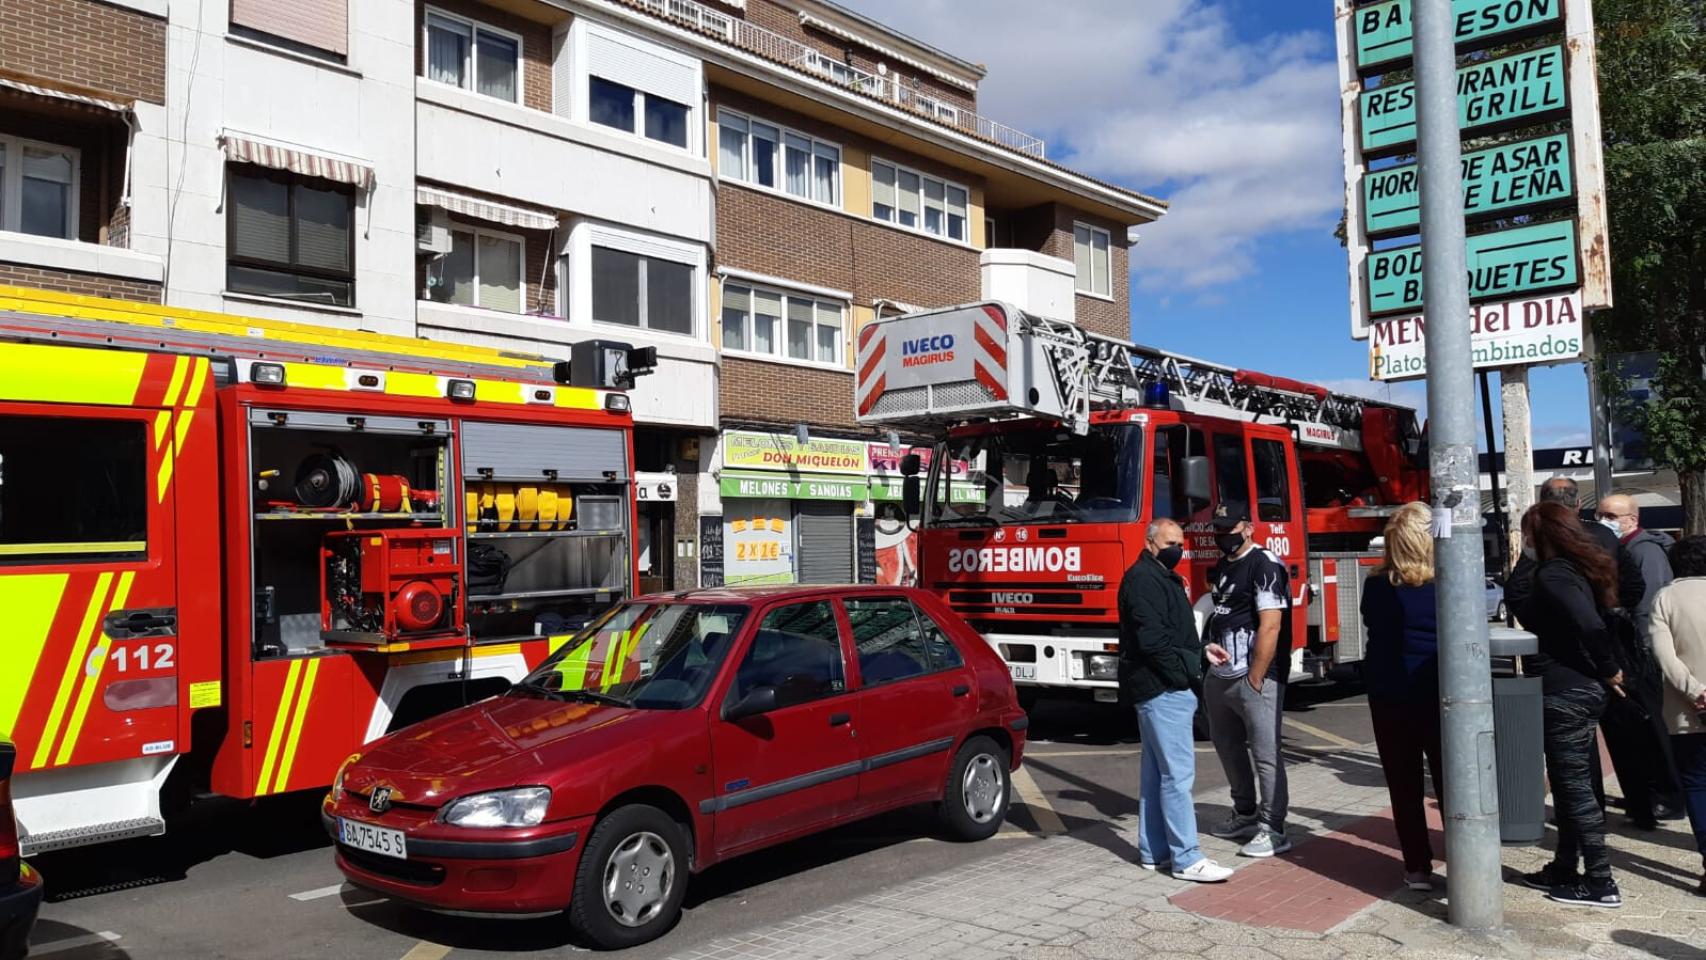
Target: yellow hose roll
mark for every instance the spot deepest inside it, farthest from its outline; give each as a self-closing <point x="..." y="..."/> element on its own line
<point x="565" y="506"/>
<point x="506" y="505"/>
<point x="488" y="505"/>
<point x="547" y="508"/>
<point x="526" y="506"/>
<point x="473" y="515"/>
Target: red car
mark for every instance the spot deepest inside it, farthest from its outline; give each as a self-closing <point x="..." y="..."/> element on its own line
<point x="675" y="732"/>
<point x="19" y="901"/>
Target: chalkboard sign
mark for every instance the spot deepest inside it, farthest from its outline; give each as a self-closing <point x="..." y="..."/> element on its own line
<point x="710" y="551"/>
<point x="867" y="536"/>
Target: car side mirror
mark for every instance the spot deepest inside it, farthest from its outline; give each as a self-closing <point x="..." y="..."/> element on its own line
<point x="912" y="495"/>
<point x="911" y="465"/>
<point x="1196" y="478"/>
<point x="758" y="700"/>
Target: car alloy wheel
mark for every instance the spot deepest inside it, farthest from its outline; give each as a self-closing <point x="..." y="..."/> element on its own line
<point x="982" y="788"/>
<point x="638" y="879"/>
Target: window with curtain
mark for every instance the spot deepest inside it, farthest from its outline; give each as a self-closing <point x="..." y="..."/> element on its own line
<point x="483" y="269"/>
<point x="1092" y="257"/>
<point x="633" y="290"/>
<point x="38" y="188"/>
<point x="920" y="202"/>
<point x="289" y="236"/>
<point x="473" y="56"/>
<point x="751" y="150"/>
<point x="777" y="323"/>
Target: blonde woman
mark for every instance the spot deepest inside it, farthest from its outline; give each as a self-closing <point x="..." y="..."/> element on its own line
<point x="1401" y="674"/>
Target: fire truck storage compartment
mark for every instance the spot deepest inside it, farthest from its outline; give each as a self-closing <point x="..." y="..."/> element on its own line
<point x="547" y="522"/>
<point x="382" y="452"/>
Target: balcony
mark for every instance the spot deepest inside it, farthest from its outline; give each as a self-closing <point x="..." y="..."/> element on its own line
<point x="791" y="53"/>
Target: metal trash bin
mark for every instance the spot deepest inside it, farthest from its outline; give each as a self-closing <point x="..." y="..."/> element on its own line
<point x="1518" y="730"/>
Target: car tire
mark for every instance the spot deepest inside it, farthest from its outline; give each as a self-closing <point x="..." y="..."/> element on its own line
<point x="630" y="848"/>
<point x="974" y="802"/>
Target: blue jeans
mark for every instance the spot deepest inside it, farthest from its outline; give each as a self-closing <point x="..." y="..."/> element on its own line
<point x="1690" y="750"/>
<point x="1166" y="812"/>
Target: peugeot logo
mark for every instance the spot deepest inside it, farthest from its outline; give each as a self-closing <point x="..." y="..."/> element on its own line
<point x="380" y="800"/>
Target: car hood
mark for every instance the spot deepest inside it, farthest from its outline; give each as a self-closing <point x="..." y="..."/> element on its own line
<point x="500" y="742"/>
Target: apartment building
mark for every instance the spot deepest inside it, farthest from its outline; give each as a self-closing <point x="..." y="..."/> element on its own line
<point x="739" y="183"/>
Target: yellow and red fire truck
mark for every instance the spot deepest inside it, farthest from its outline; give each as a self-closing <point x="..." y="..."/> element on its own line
<point x="232" y="551"/>
<point x="1071" y="442"/>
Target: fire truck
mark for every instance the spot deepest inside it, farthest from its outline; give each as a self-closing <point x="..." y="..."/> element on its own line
<point x="1058" y="446"/>
<point x="232" y="551"/>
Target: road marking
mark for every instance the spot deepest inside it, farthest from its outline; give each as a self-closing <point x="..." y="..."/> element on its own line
<point x="1032" y="796"/>
<point x="72" y="943"/>
<point x="1321" y="734"/>
<point x="427" y="950"/>
<point x="307" y="895"/>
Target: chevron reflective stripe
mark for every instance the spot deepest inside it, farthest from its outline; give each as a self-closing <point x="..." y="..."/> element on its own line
<point x="31" y="602"/>
<point x="73" y="667"/>
<point x="276" y="738"/>
<point x="189" y="379"/>
<point x="303" y="699"/>
<point x="97" y="662"/>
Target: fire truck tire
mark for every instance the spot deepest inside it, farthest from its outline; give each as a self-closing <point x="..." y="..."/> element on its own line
<point x="974" y="802"/>
<point x="632" y="878"/>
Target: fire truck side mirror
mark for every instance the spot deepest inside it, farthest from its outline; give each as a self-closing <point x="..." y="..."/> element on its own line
<point x="911" y="465"/>
<point x="912" y="495"/>
<point x="1196" y="478"/>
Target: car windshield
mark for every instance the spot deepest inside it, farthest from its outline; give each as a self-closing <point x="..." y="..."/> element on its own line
<point x="1030" y="475"/>
<point x="654" y="656"/>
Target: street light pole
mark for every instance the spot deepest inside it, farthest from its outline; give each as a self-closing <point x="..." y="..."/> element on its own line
<point x="1475" y="892"/>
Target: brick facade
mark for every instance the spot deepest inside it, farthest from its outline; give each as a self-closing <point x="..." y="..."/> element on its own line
<point x="785" y="20"/>
<point x="105" y="48"/>
<point x="87" y="284"/>
<point x="535" y="44"/>
<point x="1048" y="230"/>
<point x="781" y="395"/>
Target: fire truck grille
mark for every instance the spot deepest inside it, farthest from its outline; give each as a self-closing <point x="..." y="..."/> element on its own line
<point x="404" y="871"/>
<point x="903" y="400"/>
<point x="960" y="394"/>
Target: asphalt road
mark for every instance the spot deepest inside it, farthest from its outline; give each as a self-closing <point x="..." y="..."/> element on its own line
<point x="256" y="881"/>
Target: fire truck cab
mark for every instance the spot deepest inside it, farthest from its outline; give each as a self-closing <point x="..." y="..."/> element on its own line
<point x="1058" y="447"/>
<point x="233" y="551"/>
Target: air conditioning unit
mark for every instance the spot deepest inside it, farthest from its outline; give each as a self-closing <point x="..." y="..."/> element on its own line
<point x="432" y="231"/>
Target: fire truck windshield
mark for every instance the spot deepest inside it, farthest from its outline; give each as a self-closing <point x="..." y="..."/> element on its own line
<point x="1029" y="473"/>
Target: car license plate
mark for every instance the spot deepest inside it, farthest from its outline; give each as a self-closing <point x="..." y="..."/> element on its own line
<point x="1023" y="671"/>
<point x="366" y="836"/>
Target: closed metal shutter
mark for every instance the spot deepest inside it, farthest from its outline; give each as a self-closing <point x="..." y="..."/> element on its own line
<point x="825" y="537"/>
<point x="321" y="24"/>
<point x="645" y="66"/>
<point x="514" y="451"/>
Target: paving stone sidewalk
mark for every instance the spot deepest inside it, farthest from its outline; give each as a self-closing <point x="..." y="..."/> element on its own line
<point x="1081" y="896"/>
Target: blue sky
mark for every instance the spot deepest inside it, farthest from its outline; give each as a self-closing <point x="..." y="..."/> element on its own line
<point x="1229" y="109"/>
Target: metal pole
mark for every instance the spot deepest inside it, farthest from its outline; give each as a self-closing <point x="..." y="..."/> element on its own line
<point x="1501" y="518"/>
<point x="1519" y="455"/>
<point x="1599" y="418"/>
<point x="1475" y="894"/>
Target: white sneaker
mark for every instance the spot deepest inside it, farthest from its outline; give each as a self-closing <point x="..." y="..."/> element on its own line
<point x="1235" y="827"/>
<point x="1203" y="871"/>
<point x="1266" y="843"/>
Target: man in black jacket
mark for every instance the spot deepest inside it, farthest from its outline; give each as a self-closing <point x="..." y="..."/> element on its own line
<point x="1160" y="665"/>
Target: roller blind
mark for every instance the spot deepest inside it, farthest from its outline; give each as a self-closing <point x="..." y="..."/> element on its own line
<point x="642" y="65"/>
<point x="321" y="24"/>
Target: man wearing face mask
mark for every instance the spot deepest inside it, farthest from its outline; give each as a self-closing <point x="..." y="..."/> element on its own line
<point x="1160" y="666"/>
<point x="1249" y="655"/>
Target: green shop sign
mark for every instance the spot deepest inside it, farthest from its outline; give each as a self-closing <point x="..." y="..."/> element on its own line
<point x="1491" y="94"/>
<point x="1383" y="30"/>
<point x="784" y="486"/>
<point x="1502" y="264"/>
<point x="1505" y="179"/>
<point x="889" y="489"/>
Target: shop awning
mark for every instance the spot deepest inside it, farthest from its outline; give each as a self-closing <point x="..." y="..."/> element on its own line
<point x="508" y="214"/>
<point x="241" y="149"/>
<point x="67" y="96"/>
<point x="758" y="484"/>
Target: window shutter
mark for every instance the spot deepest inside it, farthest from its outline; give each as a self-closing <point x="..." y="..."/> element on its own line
<point x="642" y="65"/>
<point x="825" y="531"/>
<point x="322" y="228"/>
<point x="738" y="299"/>
<point x="321" y="24"/>
<point x="500" y="274"/>
<point x="260" y="219"/>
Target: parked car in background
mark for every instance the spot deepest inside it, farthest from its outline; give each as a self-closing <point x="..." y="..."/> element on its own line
<point x="1496" y="600"/>
<point x="677" y="731"/>
<point x="19" y="898"/>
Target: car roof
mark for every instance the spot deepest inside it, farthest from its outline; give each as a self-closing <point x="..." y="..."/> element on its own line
<point x="769" y="592"/>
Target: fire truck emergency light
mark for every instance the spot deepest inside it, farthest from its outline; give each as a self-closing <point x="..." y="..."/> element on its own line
<point x="267" y="374"/>
<point x="462" y="390"/>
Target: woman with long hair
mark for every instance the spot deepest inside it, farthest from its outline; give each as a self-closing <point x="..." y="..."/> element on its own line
<point x="1401" y="675"/>
<point x="1575" y="586"/>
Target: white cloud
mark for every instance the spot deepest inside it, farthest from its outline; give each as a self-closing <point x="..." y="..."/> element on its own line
<point x="1242" y="136"/>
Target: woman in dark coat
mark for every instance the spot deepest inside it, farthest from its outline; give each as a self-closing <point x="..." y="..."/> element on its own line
<point x="1575" y="585"/>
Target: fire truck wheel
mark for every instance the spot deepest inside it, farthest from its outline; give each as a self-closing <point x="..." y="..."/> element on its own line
<point x="632" y="878"/>
<point x="974" y="803"/>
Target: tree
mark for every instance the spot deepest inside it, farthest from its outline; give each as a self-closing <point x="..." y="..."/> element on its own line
<point x="1652" y="80"/>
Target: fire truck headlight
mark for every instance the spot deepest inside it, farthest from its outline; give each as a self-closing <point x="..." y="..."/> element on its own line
<point x="267" y="374"/>
<point x="616" y="403"/>
<point x="520" y="807"/>
<point x="1103" y="666"/>
<point x="462" y="390"/>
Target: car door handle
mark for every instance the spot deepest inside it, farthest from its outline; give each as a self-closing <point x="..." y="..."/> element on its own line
<point x="961" y="689"/>
<point x="840" y="719"/>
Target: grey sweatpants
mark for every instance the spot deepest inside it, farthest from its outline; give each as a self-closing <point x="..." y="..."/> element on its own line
<point x="1245" y="727"/>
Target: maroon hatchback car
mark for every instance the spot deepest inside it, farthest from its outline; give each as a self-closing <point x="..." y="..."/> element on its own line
<point x="678" y="731"/>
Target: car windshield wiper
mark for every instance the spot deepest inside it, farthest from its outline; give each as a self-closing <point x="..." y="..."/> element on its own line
<point x="593" y="696"/>
<point x="531" y="685"/>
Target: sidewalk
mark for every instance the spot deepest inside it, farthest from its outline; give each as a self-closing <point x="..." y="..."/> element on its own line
<point x="1339" y="894"/>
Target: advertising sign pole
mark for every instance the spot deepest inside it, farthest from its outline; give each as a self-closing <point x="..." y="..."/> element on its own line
<point x="1519" y="454"/>
<point x="1475" y="895"/>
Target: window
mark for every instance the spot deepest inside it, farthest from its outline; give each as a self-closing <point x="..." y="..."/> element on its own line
<point x="613" y="105"/>
<point x="1173" y="445"/>
<point x="638" y="291"/>
<point x="73" y="490"/>
<point x="751" y="151"/>
<point x="290" y="236"/>
<point x="943" y="654"/>
<point x="811" y="328"/>
<point x="1273" y="482"/>
<point x="483" y="269"/>
<point x="1092" y="256"/>
<point x="38" y="188"/>
<point x="314" y="27"/>
<point x="1231" y="475"/>
<point x="797" y="650"/>
<point x="473" y="56"/>
<point x="1045" y="476"/>
<point x="889" y="640"/>
<point x="916" y="201"/>
<point x="656" y="656"/>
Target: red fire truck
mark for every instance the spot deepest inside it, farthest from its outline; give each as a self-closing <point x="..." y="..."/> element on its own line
<point x="1076" y="441"/>
<point x="232" y="551"/>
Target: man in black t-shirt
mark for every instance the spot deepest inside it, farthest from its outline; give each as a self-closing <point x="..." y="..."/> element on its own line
<point x="1249" y="653"/>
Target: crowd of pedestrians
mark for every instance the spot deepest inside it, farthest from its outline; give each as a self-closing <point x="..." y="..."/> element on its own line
<point x="1620" y="617"/>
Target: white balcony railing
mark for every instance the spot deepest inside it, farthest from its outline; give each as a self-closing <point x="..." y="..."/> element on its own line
<point x="892" y="88"/>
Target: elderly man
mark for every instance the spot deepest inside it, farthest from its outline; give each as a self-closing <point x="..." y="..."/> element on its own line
<point x="1647" y="550"/>
<point x="1160" y="664"/>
